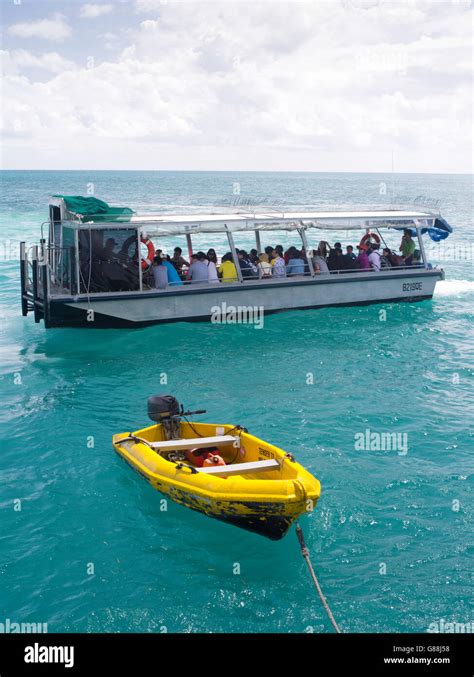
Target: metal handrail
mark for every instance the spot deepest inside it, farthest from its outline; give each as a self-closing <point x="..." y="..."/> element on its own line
<point x="189" y="284"/>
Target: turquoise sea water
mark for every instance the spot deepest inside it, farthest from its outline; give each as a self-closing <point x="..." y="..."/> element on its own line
<point x="152" y="569"/>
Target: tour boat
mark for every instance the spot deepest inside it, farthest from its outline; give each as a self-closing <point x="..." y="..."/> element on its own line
<point x="68" y="281"/>
<point x="219" y="470"/>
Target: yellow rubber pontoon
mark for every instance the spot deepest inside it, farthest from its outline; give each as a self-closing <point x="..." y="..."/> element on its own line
<point x="260" y="488"/>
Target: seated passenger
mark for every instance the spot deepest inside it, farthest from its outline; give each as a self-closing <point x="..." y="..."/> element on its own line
<point x="335" y="259"/>
<point x="296" y="263"/>
<point x="278" y="263"/>
<point x="177" y="260"/>
<point x="324" y="249"/>
<point x="108" y="253"/>
<point x="385" y="261"/>
<point x="269" y="252"/>
<point x="362" y="261"/>
<point x="264" y="267"/>
<point x="174" y="279"/>
<point x="254" y="257"/>
<point x="390" y="259"/>
<point x="375" y="257"/>
<point x="198" y="271"/>
<point x="319" y="263"/>
<point x="246" y="267"/>
<point x="349" y="258"/>
<point x="160" y="273"/>
<point x="212" y="275"/>
<point x="212" y="256"/>
<point x="227" y="269"/>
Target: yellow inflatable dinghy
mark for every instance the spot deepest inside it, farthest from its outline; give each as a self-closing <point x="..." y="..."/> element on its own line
<point x="219" y="470"/>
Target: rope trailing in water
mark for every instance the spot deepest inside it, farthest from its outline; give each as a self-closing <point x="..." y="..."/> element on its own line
<point x="305" y="553"/>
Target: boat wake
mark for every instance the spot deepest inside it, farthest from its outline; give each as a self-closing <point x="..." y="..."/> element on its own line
<point x="454" y="287"/>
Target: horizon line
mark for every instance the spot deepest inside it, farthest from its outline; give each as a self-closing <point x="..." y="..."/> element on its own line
<point x="240" y="171"/>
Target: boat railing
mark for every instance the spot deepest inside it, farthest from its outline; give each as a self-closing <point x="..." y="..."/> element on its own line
<point x="61" y="267"/>
<point x="56" y="264"/>
<point x="34" y="281"/>
<point x="60" y="282"/>
<point x="308" y="274"/>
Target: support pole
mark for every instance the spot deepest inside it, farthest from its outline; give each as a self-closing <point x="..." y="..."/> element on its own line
<point x="35" y="284"/>
<point x="304" y="239"/>
<point x="258" y="242"/>
<point x="422" y="247"/>
<point x="23" y="279"/>
<point x="234" y="255"/>
<point x="140" y="272"/>
<point x="78" y="263"/>
<point x="45" y="283"/>
<point x="190" y="246"/>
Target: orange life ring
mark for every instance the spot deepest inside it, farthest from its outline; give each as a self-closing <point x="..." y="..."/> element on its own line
<point x="370" y="236"/>
<point x="146" y="263"/>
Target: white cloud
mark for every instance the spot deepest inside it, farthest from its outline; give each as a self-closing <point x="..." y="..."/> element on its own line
<point x="149" y="5"/>
<point x="329" y="87"/>
<point x="91" y="10"/>
<point x="20" y="59"/>
<point x="55" y="29"/>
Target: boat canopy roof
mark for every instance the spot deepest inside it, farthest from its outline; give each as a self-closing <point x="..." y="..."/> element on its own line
<point x="165" y="224"/>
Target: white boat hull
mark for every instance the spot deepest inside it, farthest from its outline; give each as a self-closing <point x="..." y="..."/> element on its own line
<point x="198" y="302"/>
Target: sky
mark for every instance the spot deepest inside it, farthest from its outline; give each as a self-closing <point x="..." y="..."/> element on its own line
<point x="326" y="85"/>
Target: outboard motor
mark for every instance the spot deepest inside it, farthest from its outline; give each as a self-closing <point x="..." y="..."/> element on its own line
<point x="165" y="409"/>
<point x="162" y="406"/>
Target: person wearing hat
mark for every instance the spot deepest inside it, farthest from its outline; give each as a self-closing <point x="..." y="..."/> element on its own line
<point x="362" y="261"/>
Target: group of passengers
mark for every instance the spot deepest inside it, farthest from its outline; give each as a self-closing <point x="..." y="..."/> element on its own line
<point x="328" y="259"/>
<point x="274" y="262"/>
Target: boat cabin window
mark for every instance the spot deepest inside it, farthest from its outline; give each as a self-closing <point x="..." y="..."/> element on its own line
<point x="108" y="260"/>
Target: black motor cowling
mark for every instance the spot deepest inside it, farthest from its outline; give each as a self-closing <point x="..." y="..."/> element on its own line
<point x="162" y="406"/>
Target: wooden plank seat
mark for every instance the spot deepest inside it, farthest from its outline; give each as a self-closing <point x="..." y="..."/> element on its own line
<point x="195" y="443"/>
<point x="240" y="468"/>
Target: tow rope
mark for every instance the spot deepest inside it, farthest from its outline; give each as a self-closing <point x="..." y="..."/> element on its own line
<point x="305" y="553"/>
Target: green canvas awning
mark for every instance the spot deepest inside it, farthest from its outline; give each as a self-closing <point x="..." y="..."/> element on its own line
<point x="92" y="209"/>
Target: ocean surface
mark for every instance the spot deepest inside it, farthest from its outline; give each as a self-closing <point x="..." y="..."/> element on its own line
<point x="84" y="545"/>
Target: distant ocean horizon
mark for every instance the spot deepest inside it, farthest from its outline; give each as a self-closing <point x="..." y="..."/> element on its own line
<point x="240" y="171"/>
<point x="90" y="550"/>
